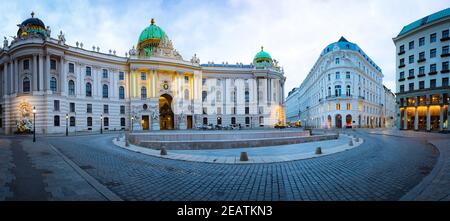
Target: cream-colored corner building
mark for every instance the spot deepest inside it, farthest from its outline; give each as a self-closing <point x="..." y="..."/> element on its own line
<point x="151" y="88"/>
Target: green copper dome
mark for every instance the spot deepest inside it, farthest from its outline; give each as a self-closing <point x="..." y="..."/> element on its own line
<point x="262" y="55"/>
<point x="150" y="38"/>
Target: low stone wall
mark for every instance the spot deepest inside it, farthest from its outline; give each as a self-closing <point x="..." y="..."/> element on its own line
<point x="231" y="143"/>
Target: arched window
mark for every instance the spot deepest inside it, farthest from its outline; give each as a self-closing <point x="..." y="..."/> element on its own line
<point x="329" y="91"/>
<point x="88" y="89"/>
<point x="26" y="84"/>
<point x="348" y="91"/>
<point x="71" y="87"/>
<point x="186" y="94"/>
<point x="105" y="91"/>
<point x="337" y="90"/>
<point x="53" y="84"/>
<point x="121" y="92"/>
<point x="233" y="120"/>
<point x="143" y="92"/>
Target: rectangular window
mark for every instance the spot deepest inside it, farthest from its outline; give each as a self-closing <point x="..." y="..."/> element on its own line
<point x="421" y="56"/>
<point x="89" y="121"/>
<point x="411" y="86"/>
<point x="26" y="64"/>
<point x="402" y="61"/>
<point x="411" y="45"/>
<point x="421" y="41"/>
<point x="347" y="75"/>
<point x="432" y="67"/>
<point x="433" y="53"/>
<point x="247" y="110"/>
<point x="411" y="73"/>
<point x="422" y="70"/>
<point x="72" y="107"/>
<point x="88" y="71"/>
<point x="445" y="50"/>
<point x="105" y="109"/>
<point x="72" y="121"/>
<point x="329" y="77"/>
<point x="143" y="76"/>
<point x="338" y="75"/>
<point x="122" y="109"/>
<point x="445" y="66"/>
<point x="421" y="84"/>
<point x="186" y="79"/>
<point x="106" y="122"/>
<point x="349" y="106"/>
<point x="337" y="60"/>
<point x="433" y="38"/>
<point x="445" y="34"/>
<point x="338" y="106"/>
<point x="402" y="88"/>
<point x="56" y="105"/>
<point x="122" y="122"/>
<point x="444" y="82"/>
<point x="105" y="73"/>
<point x="53" y="64"/>
<point x="121" y="76"/>
<point x="432" y="83"/>
<point x="89" y="108"/>
<point x="411" y="59"/>
<point x="71" y="68"/>
<point x="402" y="48"/>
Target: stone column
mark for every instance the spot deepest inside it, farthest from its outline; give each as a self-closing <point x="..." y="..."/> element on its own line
<point x="136" y="78"/>
<point x="416" y="114"/>
<point x="63" y="76"/>
<point x="405" y="119"/>
<point x="47" y="73"/>
<point x="35" y="75"/>
<point x="11" y="77"/>
<point x="16" y="76"/>
<point x="41" y="72"/>
<point x="131" y="84"/>
<point x="441" y="117"/>
<point x="5" y="79"/>
<point x="428" y="118"/>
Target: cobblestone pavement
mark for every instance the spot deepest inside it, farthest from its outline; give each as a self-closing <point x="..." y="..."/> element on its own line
<point x="382" y="168"/>
<point x="33" y="171"/>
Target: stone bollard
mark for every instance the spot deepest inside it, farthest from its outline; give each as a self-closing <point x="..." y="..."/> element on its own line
<point x="243" y="157"/>
<point x="163" y="151"/>
<point x="350" y="143"/>
<point x="126" y="139"/>
<point x="319" y="150"/>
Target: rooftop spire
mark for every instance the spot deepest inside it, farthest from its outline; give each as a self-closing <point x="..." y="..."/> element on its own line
<point x="152" y="21"/>
<point x="32" y="14"/>
<point x="342" y="39"/>
<point x="262" y="48"/>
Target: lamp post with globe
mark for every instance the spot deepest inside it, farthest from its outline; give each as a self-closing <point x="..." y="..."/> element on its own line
<point x="34" y="124"/>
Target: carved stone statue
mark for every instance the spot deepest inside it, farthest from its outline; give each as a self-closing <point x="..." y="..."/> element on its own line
<point x="132" y="51"/>
<point x="61" y="38"/>
<point x="155" y="115"/>
<point x="195" y="59"/>
<point x="49" y="31"/>
<point x="5" y="43"/>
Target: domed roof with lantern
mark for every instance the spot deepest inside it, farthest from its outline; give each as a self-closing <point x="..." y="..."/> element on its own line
<point x="263" y="59"/>
<point x="32" y="27"/>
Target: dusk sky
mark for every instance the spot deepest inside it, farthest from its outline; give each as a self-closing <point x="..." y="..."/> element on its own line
<point x="293" y="32"/>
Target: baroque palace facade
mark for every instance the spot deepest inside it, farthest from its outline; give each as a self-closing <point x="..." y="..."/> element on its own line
<point x="151" y="88"/>
<point x="423" y="71"/>
<point x="343" y="89"/>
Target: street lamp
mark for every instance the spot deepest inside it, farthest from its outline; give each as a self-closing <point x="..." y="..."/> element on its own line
<point x="67" y="124"/>
<point x="132" y="119"/>
<point x="101" y="123"/>
<point x="34" y="124"/>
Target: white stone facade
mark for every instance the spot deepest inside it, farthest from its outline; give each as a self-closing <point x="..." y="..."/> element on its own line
<point x="422" y="76"/>
<point x="93" y="88"/>
<point x="343" y="89"/>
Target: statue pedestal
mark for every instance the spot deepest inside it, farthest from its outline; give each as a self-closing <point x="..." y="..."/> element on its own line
<point x="183" y="126"/>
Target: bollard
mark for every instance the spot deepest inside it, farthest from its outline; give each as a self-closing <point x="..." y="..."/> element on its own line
<point x="318" y="150"/>
<point x="243" y="157"/>
<point x="163" y="151"/>
<point x="126" y="140"/>
<point x="350" y="143"/>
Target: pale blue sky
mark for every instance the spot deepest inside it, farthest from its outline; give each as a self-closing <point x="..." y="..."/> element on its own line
<point x="293" y="31"/>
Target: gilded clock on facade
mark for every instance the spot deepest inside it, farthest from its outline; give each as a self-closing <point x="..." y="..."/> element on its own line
<point x="165" y="85"/>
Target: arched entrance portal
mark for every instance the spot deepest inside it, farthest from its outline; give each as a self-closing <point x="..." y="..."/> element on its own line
<point x="329" y="121"/>
<point x="165" y="112"/>
<point x="338" y="121"/>
<point x="348" y="121"/>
